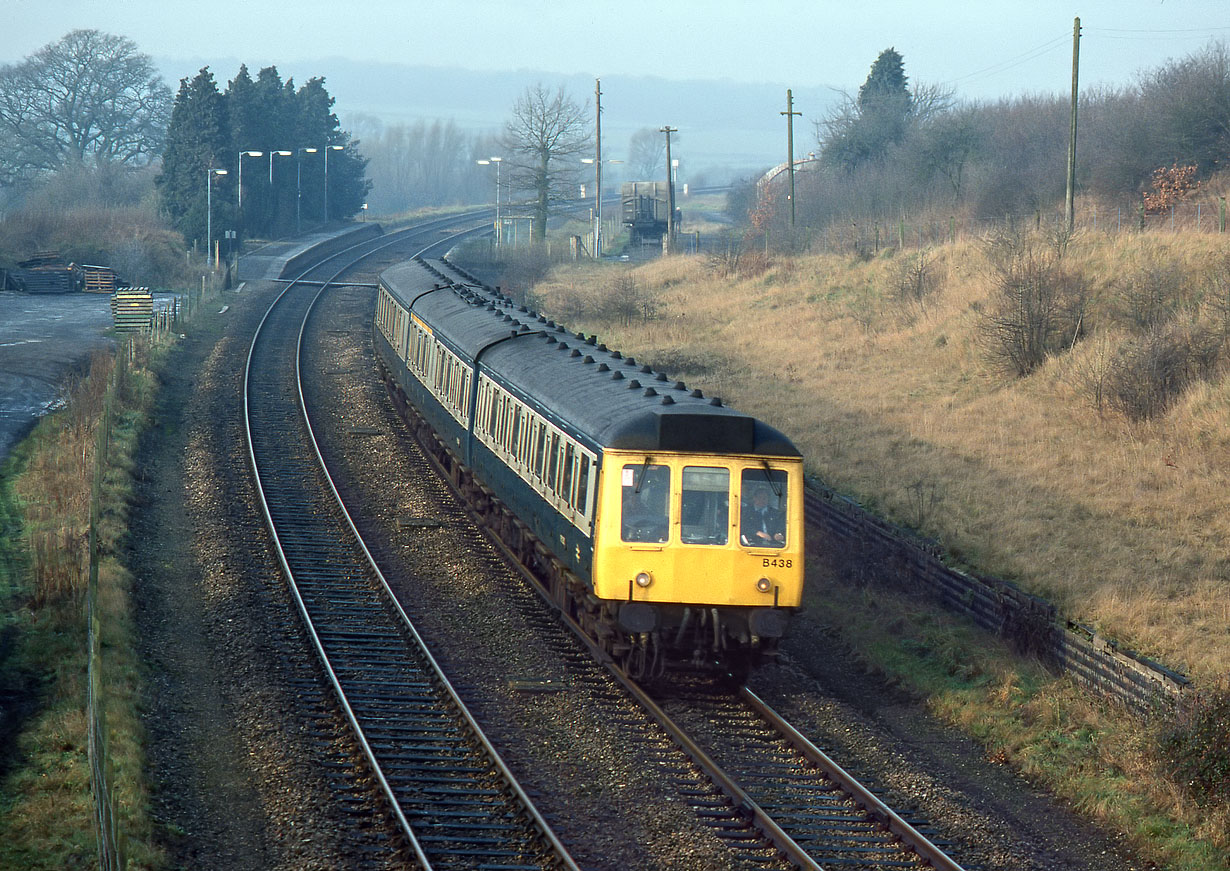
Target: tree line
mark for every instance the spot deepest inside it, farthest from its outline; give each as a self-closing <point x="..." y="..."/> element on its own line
<point x="284" y="145"/>
<point x="91" y="109"/>
<point x="898" y="148"/>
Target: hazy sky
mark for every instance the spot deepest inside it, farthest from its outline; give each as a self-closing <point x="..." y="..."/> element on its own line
<point x="984" y="48"/>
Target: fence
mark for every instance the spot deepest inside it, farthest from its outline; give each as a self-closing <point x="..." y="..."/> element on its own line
<point x="110" y="839"/>
<point x="869" y="549"/>
<point x="870" y="235"/>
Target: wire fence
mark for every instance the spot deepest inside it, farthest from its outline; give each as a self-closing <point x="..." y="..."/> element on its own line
<point x="102" y="781"/>
<point x="870" y="236"/>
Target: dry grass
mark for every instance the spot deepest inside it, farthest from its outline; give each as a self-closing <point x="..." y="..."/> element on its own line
<point x="46" y="810"/>
<point x="1120" y="523"/>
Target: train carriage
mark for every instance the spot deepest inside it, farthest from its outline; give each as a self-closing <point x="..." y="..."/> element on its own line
<point x="669" y="525"/>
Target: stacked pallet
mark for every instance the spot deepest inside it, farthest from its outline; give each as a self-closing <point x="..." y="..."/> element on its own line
<point x="98" y="279"/>
<point x="132" y="309"/>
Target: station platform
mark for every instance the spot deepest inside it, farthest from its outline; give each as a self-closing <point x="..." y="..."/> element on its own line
<point x="271" y="260"/>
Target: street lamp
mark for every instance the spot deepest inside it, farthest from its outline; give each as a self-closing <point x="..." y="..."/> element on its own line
<point x="497" y="161"/>
<point x="241" y="156"/>
<point x="329" y="148"/>
<point x="299" y="184"/>
<point x="273" y="200"/>
<point x="209" y="210"/>
<point x="598" y="201"/>
<point x="271" y="156"/>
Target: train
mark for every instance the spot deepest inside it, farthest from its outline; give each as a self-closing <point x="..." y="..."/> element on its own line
<point x="646" y="210"/>
<point x="666" y="524"/>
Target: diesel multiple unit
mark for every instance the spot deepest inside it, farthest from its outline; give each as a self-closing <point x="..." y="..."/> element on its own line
<point x="666" y="524"/>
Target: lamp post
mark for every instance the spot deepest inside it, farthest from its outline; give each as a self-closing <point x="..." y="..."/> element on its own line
<point x="499" y="228"/>
<point x="598" y="201"/>
<point x="209" y="210"/>
<point x="241" y="157"/>
<point x="488" y="162"/>
<point x="299" y="184"/>
<point x="273" y="201"/>
<point x="272" y="154"/>
<point x="329" y="148"/>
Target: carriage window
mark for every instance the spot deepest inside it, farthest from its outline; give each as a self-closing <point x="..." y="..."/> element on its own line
<point x="565" y="486"/>
<point x="552" y="460"/>
<point x="705" y="505"/>
<point x="583" y="486"/>
<point x="646" y="498"/>
<point x="762" y="518"/>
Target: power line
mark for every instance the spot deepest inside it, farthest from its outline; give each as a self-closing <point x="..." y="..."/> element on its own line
<point x="1020" y="59"/>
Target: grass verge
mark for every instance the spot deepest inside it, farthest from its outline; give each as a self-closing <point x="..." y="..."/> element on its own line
<point x="878" y="369"/>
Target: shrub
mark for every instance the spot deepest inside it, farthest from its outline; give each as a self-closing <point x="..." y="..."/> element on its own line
<point x="1196" y="742"/>
<point x="1150" y="372"/>
<point x="915" y="281"/>
<point x="1037" y="306"/>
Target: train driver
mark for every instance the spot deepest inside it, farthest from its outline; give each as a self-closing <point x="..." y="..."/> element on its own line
<point x="762" y="525"/>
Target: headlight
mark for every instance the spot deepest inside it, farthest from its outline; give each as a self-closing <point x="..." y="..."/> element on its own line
<point x="764" y="585"/>
<point x="644" y="579"/>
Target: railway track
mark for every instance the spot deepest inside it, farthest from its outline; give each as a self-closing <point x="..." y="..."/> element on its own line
<point x="757" y="784"/>
<point x="786" y="793"/>
<point x="454" y="801"/>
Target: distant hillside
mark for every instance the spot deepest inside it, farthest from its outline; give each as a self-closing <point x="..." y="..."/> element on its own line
<point x="725" y="127"/>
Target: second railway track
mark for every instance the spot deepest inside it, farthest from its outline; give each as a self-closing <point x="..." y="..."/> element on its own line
<point x="458" y="807"/>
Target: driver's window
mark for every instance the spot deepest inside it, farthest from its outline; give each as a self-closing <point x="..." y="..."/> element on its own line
<point x="646" y="500"/>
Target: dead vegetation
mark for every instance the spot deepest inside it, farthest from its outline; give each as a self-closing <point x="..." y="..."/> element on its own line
<point x="1065" y="401"/>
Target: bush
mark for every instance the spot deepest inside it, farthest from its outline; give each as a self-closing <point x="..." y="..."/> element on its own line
<point x="1196" y="742"/>
<point x="1151" y="372"/>
<point x="1037" y="306"/>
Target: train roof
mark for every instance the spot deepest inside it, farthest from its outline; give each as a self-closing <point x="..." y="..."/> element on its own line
<point x="598" y="393"/>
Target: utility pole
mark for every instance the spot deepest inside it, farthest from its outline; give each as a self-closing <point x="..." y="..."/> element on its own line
<point x="790" y="113"/>
<point x="1076" y="54"/>
<point x="598" y="169"/>
<point x="670" y="188"/>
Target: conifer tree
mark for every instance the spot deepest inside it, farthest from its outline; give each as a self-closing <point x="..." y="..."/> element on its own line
<point x="198" y="139"/>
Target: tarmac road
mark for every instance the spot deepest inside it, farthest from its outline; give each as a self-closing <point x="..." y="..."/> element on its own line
<point x="43" y="337"/>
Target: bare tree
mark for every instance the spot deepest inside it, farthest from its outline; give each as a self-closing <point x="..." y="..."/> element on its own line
<point x="89" y="97"/>
<point x="545" y="131"/>
<point x="647" y="153"/>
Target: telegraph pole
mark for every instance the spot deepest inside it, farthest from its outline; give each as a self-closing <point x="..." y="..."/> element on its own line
<point x="790" y="113"/>
<point x="598" y="170"/>
<point x="670" y="187"/>
<point x="1076" y="54"/>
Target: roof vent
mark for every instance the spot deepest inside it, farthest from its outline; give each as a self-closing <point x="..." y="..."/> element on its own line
<point x="647" y="369"/>
<point x="698" y="394"/>
<point x="588" y="359"/>
<point x="617" y="376"/>
<point x="617" y="355"/>
<point x="666" y="400"/>
<point x="603" y="347"/>
<point x="649" y="391"/>
<point x="551" y="340"/>
<point x="592" y="340"/>
<point x="575" y="353"/>
<point x="661" y="377"/>
<point x="631" y="361"/>
<point x="717" y="400"/>
<point x="563" y="346"/>
<point x="634" y="384"/>
<point x="602" y="367"/>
